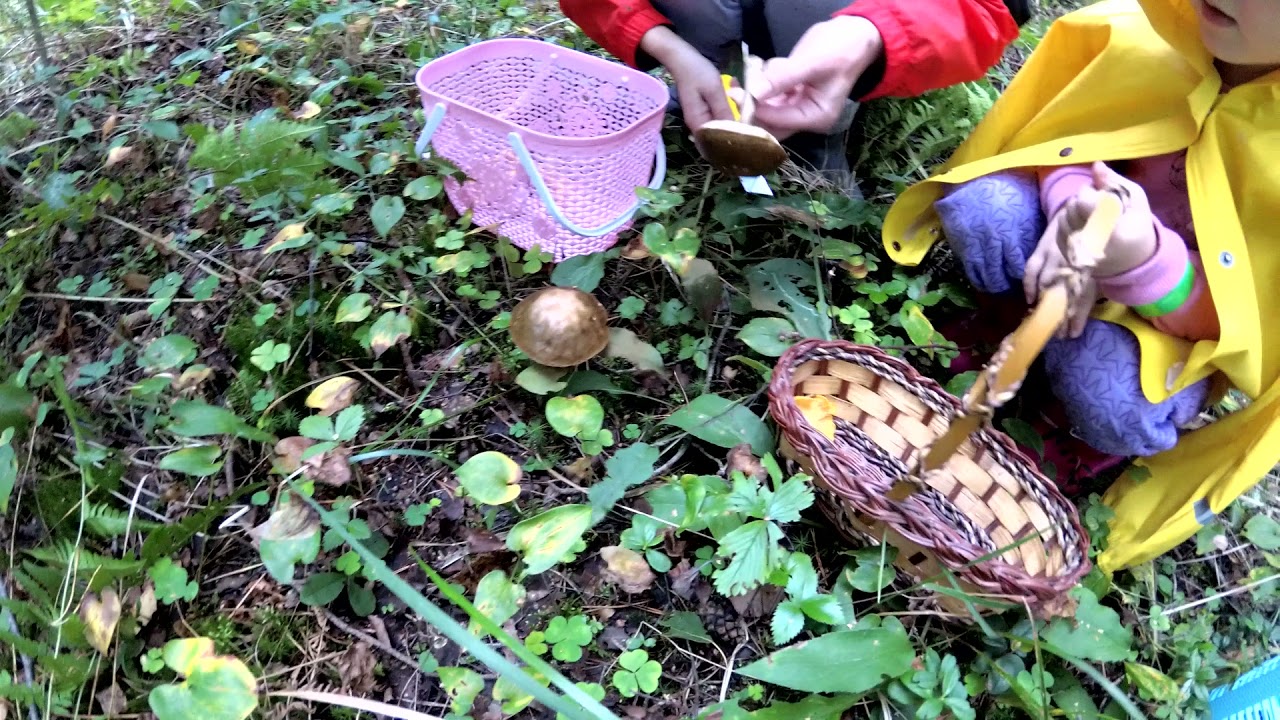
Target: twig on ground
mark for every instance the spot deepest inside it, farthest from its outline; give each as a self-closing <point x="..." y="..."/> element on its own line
<point x="371" y="640"/>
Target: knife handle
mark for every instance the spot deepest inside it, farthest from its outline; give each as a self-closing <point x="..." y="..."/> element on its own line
<point x="727" y="81"/>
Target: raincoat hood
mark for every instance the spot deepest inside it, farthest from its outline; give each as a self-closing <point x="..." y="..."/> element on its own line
<point x="1122" y="79"/>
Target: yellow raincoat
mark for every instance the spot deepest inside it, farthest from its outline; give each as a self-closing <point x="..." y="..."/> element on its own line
<point x="1125" y="79"/>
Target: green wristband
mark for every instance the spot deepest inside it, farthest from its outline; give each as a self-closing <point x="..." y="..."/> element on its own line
<point x="1176" y="298"/>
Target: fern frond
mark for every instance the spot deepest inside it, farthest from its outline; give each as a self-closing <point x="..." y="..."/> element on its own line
<point x="263" y="156"/>
<point x="109" y="522"/>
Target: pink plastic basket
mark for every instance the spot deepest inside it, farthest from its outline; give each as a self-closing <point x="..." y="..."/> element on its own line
<point x="553" y="142"/>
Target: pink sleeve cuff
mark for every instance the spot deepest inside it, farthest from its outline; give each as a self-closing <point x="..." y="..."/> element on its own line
<point x="1062" y="184"/>
<point x="1153" y="279"/>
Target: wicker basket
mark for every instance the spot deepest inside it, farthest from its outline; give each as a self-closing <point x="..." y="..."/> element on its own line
<point x="901" y="459"/>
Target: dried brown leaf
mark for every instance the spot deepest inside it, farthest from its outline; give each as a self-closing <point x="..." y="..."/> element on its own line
<point x="117" y="155"/>
<point x="146" y="605"/>
<point x="109" y="126"/>
<point x="356" y="667"/>
<point x="741" y="459"/>
<point x="289" y="451"/>
<point x="137" y="282"/>
<point x="308" y="110"/>
<point x="113" y="701"/>
<point x="627" y="569"/>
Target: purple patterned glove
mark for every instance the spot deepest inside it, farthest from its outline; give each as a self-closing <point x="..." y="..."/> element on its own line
<point x="993" y="224"/>
<point x="1096" y="377"/>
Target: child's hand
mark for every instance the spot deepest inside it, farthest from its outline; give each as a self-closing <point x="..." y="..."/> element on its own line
<point x="1132" y="242"/>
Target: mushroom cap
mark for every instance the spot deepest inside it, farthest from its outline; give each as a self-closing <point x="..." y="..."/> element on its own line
<point x="560" y="327"/>
<point x="739" y="149"/>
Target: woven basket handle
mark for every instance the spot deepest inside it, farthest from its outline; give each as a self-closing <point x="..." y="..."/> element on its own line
<point x="1003" y="376"/>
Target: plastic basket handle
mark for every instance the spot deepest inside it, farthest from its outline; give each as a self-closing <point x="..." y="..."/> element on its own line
<point x="1004" y="374"/>
<point x="436" y="117"/>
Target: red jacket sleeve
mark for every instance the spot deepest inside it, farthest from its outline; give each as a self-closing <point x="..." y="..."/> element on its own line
<point x="928" y="44"/>
<point x="617" y="25"/>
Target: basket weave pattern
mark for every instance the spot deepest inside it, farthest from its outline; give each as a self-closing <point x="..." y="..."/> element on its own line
<point x="987" y="515"/>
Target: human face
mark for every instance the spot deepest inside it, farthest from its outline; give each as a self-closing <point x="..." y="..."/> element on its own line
<point x="1241" y="32"/>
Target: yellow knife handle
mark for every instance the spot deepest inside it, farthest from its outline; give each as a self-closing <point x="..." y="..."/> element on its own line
<point x="727" y="81"/>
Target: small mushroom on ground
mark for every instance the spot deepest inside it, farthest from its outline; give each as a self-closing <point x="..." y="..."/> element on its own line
<point x="560" y="327"/>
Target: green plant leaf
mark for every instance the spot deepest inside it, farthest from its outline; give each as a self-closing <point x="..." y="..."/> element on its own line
<point x="1154" y="685"/>
<point x="577" y="416"/>
<point x="814" y="707"/>
<point x="785" y="504"/>
<point x="427" y="187"/>
<point x="217" y="687"/>
<point x="168" y="352"/>
<point x="686" y="625"/>
<point x="960" y="384"/>
<point x="1264" y="532"/>
<point x="322" y="588"/>
<point x="462" y="684"/>
<point x="354" y="308"/>
<point x="778" y="285"/>
<point x="846" y="661"/>
<point x="390" y="328"/>
<point x="171" y="582"/>
<point x="544" y="539"/>
<point x="193" y="418"/>
<point x="498" y="598"/>
<point x="1095" y="633"/>
<point x="385" y="213"/>
<point x="199" y="461"/>
<point x="1024" y="434"/>
<point x="770" y="336"/>
<point x="788" y="621"/>
<point x="290" y="535"/>
<point x="491" y="478"/>
<point x="542" y="380"/>
<point x="627" y="468"/>
<point x="1073" y="699"/>
<point x="581" y="271"/>
<point x="348" y="422"/>
<point x="8" y="468"/>
<point x="918" y="327"/>
<point x="755" y="553"/>
<point x="722" y="422"/>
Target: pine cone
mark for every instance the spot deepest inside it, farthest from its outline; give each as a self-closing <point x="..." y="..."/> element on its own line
<point x="722" y="621"/>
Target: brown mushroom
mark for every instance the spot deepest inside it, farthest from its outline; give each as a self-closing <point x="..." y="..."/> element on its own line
<point x="560" y="327"/>
<point x="738" y="149"/>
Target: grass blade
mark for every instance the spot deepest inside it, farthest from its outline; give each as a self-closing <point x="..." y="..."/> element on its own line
<point x="452" y="629"/>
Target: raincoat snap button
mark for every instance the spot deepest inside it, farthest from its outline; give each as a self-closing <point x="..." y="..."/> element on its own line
<point x="1064" y="152"/>
<point x="1226" y="259"/>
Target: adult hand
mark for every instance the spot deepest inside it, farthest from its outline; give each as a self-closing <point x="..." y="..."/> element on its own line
<point x="698" y="83"/>
<point x="807" y="90"/>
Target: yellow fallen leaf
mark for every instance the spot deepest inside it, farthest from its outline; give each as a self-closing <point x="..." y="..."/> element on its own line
<point x="117" y="155"/>
<point x="308" y="110"/>
<point x="287" y="233"/>
<point x="819" y="410"/>
<point x="100" y="616"/>
<point x="333" y="395"/>
<point x="248" y="47"/>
